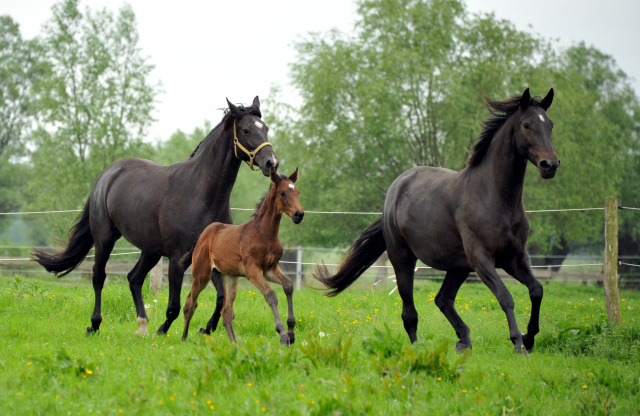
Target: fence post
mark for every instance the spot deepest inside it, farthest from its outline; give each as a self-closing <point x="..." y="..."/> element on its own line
<point x="155" y="281"/>
<point x="298" y="267"/>
<point x="611" y="293"/>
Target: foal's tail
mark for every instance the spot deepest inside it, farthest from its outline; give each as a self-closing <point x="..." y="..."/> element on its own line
<point x="80" y="242"/>
<point x="362" y="254"/>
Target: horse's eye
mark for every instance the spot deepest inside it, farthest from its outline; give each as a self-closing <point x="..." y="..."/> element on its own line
<point x="283" y="194"/>
<point x="526" y="126"/>
<point x="245" y="131"/>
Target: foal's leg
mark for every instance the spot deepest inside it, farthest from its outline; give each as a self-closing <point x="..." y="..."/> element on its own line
<point x="485" y="268"/>
<point x="445" y="300"/>
<point x="520" y="269"/>
<point x="404" y="263"/>
<point x="103" y="249"/>
<point x="255" y="276"/>
<point x="216" y="279"/>
<point x="176" y="275"/>
<point x="136" y="280"/>
<point x="230" y="290"/>
<point x="277" y="276"/>
<point x="200" y="281"/>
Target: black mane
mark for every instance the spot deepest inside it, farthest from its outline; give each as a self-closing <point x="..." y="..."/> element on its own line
<point x="227" y="120"/>
<point x="501" y="112"/>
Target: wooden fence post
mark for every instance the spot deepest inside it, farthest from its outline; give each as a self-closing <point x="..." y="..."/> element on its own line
<point x="155" y="281"/>
<point x="611" y="292"/>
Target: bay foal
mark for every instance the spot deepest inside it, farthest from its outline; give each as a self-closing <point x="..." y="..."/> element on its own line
<point x="252" y="250"/>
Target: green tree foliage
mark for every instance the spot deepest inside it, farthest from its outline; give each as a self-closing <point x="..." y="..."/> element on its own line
<point x="95" y="105"/>
<point x="406" y="89"/>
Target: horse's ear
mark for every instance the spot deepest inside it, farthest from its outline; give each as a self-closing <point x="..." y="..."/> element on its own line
<point x="524" y="101"/>
<point x="294" y="176"/>
<point x="256" y="102"/>
<point x="275" y="178"/>
<point x="546" y="101"/>
<point x="232" y="108"/>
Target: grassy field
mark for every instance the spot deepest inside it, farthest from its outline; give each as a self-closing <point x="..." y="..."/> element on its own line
<point x="351" y="356"/>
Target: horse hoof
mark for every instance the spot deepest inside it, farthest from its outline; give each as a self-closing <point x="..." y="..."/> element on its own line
<point x="90" y="330"/>
<point x="284" y="340"/>
<point x="528" y="342"/>
<point x="462" y="347"/>
<point x="521" y="350"/>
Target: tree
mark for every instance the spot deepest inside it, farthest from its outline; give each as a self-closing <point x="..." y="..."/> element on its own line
<point x="95" y="106"/>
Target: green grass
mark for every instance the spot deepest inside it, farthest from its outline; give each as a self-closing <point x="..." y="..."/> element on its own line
<point x="351" y="357"/>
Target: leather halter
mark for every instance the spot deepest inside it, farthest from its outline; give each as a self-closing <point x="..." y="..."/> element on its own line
<point x="251" y="154"/>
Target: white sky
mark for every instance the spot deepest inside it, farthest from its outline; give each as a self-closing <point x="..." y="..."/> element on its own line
<point x="204" y="51"/>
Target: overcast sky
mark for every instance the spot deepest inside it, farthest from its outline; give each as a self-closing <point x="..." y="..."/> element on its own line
<point x="204" y="51"/>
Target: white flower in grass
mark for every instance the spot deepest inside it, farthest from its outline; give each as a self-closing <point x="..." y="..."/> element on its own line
<point x="321" y="334"/>
<point x="147" y="306"/>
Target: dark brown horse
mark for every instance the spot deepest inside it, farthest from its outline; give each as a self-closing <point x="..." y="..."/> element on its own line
<point x="252" y="250"/>
<point x="472" y="220"/>
<point x="163" y="209"/>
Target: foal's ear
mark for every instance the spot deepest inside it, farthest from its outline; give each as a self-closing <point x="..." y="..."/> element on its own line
<point x="232" y="108"/>
<point x="546" y="101"/>
<point x="524" y="101"/>
<point x="275" y="178"/>
<point x="256" y="102"/>
<point x="294" y="176"/>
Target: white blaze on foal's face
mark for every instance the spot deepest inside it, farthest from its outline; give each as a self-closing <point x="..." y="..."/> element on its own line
<point x="291" y="186"/>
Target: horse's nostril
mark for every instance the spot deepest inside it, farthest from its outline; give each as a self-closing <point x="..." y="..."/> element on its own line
<point x="545" y="164"/>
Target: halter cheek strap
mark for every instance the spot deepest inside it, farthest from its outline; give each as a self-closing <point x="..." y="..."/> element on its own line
<point x="237" y="144"/>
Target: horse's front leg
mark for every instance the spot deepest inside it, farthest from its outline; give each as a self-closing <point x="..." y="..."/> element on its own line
<point x="520" y="269"/>
<point x="485" y="267"/>
<point x="278" y="276"/>
<point x="176" y="275"/>
<point x="256" y="276"/>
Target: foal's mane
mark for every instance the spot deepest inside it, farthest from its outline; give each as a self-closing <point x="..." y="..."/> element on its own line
<point x="501" y="112"/>
<point x="226" y="121"/>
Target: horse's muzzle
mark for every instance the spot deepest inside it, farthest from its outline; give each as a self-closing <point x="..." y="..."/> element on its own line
<point x="548" y="168"/>
<point x="297" y="217"/>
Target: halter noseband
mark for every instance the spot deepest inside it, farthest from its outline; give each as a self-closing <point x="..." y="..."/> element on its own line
<point x="236" y="144"/>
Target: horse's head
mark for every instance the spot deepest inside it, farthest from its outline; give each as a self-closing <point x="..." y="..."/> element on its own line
<point x="250" y="137"/>
<point x="533" y="134"/>
<point x="287" y="195"/>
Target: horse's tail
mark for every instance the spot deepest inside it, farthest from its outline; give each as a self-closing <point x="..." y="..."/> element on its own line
<point x="80" y="242"/>
<point x="364" y="251"/>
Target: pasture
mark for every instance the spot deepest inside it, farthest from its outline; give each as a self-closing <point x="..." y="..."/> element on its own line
<point x="351" y="356"/>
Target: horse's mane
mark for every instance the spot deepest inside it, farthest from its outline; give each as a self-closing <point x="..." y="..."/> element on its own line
<point x="501" y="112"/>
<point x="226" y="121"/>
<point x="264" y="197"/>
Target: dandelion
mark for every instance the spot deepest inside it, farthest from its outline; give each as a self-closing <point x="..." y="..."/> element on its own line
<point x="584" y="386"/>
<point x="464" y="390"/>
<point x="249" y="384"/>
<point x="172" y="398"/>
<point x="264" y="409"/>
<point x="29" y="363"/>
<point x="321" y="334"/>
<point x="147" y="306"/>
<point x="160" y="402"/>
<point x="208" y="401"/>
<point x="212" y="407"/>
<point x="86" y="370"/>
<point x="439" y="378"/>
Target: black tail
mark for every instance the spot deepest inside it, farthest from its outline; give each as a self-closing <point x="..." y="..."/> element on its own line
<point x="362" y="254"/>
<point x="80" y="242"/>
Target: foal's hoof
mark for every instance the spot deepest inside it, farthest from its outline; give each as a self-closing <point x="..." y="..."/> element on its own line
<point x="90" y="330"/>
<point x="292" y="339"/>
<point x="462" y="347"/>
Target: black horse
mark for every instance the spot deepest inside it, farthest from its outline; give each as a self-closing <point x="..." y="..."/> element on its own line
<point x="472" y="220"/>
<point x="163" y="209"/>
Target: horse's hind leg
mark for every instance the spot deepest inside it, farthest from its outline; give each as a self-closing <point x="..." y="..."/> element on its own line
<point x="521" y="271"/>
<point x="200" y="281"/>
<point x="445" y="301"/>
<point x="278" y="276"/>
<point x="404" y="263"/>
<point x="230" y="290"/>
<point x="103" y="247"/>
<point x="216" y="279"/>
<point x="136" y="280"/>
<point x="176" y="275"/>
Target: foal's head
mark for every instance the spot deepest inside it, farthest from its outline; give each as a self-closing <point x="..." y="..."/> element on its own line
<point x="286" y="194"/>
